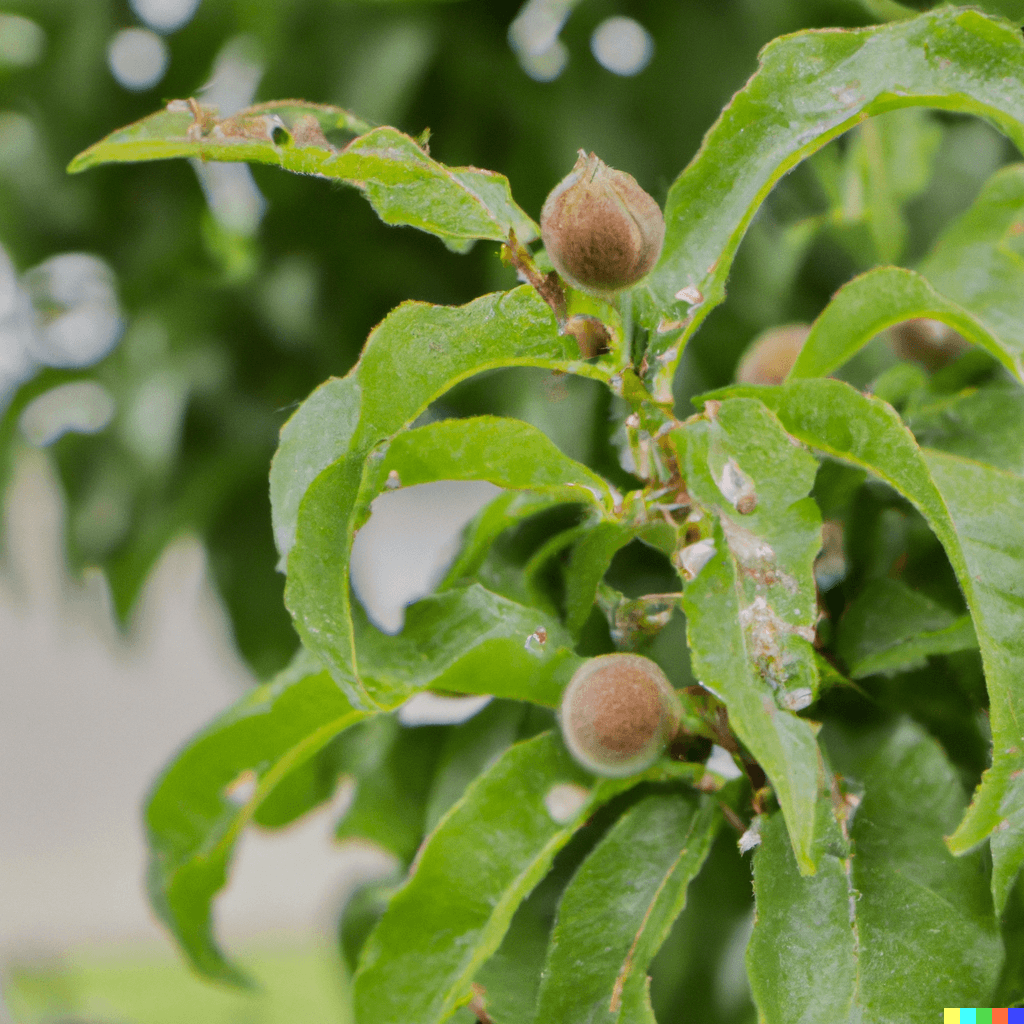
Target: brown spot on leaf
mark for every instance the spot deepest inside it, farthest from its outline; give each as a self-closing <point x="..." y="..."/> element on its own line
<point x="307" y="132"/>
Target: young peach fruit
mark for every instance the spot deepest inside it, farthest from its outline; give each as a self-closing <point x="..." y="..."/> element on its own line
<point x="601" y="230"/>
<point x="618" y="713"/>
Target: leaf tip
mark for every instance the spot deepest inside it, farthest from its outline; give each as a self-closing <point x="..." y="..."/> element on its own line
<point x="80" y="163"/>
<point x="807" y="866"/>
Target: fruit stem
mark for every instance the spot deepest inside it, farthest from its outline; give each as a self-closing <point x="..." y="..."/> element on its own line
<point x="624" y="305"/>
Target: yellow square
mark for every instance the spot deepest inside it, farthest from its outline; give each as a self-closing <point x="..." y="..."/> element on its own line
<point x="951" y="1016"/>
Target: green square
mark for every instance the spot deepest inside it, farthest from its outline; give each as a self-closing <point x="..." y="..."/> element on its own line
<point x="983" y="1016"/>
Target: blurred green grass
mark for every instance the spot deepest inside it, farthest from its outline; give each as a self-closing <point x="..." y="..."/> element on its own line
<point x="129" y="985"/>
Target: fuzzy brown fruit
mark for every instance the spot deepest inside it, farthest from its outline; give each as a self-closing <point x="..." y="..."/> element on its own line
<point x="618" y="713"/>
<point x="771" y="355"/>
<point x="931" y="343"/>
<point x="601" y="230"/>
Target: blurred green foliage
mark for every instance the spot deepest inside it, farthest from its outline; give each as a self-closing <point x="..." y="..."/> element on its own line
<point x="226" y="331"/>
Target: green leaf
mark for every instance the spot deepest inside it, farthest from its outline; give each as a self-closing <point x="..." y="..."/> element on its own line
<point x="1012" y="10"/>
<point x="975" y="512"/>
<point x="455" y="640"/>
<point x="1010" y="991"/>
<point x="308" y="786"/>
<point x="889" y="628"/>
<point x="619" y="907"/>
<point x="782" y="743"/>
<point x="751" y="609"/>
<point x="482" y="860"/>
<point x="507" y="510"/>
<point x="973" y="280"/>
<point x="882" y="297"/>
<point x="892" y="925"/>
<point x="977" y="261"/>
<point x="888" y="161"/>
<point x="811" y="87"/>
<point x="508" y="981"/>
<point x="506" y="452"/>
<point x="403" y="184"/>
<point x="636" y="1004"/>
<point x="984" y="424"/>
<point x="321" y="467"/>
<point x="987" y="507"/>
<point x="469" y="751"/>
<point x="360" y="915"/>
<point x="194" y="818"/>
<point x="598" y="544"/>
<point x="413" y="357"/>
<point x="185" y="128"/>
<point x="389" y="807"/>
<point x="588" y="563"/>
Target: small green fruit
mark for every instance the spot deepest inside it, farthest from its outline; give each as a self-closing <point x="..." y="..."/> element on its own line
<point x="601" y="230"/>
<point x="618" y="713"/>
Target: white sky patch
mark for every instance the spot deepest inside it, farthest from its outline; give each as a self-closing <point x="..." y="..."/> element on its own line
<point x="537" y="25"/>
<point x="565" y="801"/>
<point x="400" y="554"/>
<point x="722" y="763"/>
<point x="546" y="66"/>
<point x="622" y="46"/>
<point x="151" y="424"/>
<point x="440" y="709"/>
<point x="137" y="58"/>
<point x="165" y="15"/>
<point x="242" y="789"/>
<point x="81" y="407"/>
<point x="236" y="73"/>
